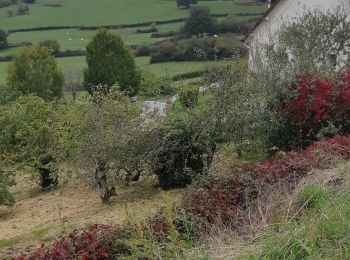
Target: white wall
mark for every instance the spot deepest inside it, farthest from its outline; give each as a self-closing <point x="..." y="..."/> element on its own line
<point x="287" y="10"/>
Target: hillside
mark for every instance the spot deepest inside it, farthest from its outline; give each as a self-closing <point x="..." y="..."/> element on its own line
<point x="71" y="15"/>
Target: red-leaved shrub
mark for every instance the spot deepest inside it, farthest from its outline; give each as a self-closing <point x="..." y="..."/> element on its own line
<point x="224" y="200"/>
<point x="91" y="244"/>
<point x="316" y="107"/>
<point x="314" y="100"/>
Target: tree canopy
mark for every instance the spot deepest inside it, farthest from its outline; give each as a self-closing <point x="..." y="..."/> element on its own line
<point x="199" y="22"/>
<point x="110" y="63"/>
<point x="35" y="71"/>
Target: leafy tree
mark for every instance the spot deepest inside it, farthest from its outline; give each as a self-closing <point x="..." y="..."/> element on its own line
<point x="8" y="94"/>
<point x="35" y="71"/>
<point x="186" y="3"/>
<point x="52" y="45"/>
<point x="22" y="9"/>
<point x="3" y="39"/>
<point x="6" y="181"/>
<point x="199" y="22"/>
<point x="27" y="136"/>
<point x="102" y="138"/>
<point x="110" y="63"/>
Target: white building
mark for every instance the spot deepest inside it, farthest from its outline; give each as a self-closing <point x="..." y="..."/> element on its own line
<point x="280" y="11"/>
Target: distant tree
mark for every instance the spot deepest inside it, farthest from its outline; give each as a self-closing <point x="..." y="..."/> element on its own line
<point x="35" y="71"/>
<point x="52" y="45"/>
<point x="10" y="13"/>
<point x="199" y="22"/>
<point x="3" y="39"/>
<point x="185" y="3"/>
<point x="22" y="9"/>
<point x="110" y="63"/>
<point x="29" y="1"/>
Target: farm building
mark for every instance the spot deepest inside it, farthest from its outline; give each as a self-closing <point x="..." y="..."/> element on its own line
<point x="280" y="12"/>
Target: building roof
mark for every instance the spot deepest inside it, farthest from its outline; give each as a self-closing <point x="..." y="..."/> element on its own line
<point x="274" y="3"/>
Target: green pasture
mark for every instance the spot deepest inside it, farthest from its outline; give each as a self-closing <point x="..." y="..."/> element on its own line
<point x="104" y="12"/>
<point x="75" y="39"/>
<point x="74" y="66"/>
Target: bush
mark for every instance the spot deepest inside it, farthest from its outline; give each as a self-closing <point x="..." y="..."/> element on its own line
<point x="142" y="50"/>
<point x="314" y="108"/>
<point x="188" y="96"/>
<point x="52" y="45"/>
<point x="6" y="181"/>
<point x="88" y="244"/>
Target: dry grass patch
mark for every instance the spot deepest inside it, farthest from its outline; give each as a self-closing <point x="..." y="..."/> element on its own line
<point x="39" y="217"/>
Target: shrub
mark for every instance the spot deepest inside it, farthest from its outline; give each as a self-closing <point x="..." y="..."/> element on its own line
<point x="314" y="108"/>
<point x="188" y="96"/>
<point x="6" y="181"/>
<point x="223" y="201"/>
<point x="87" y="244"/>
<point x="142" y="50"/>
<point x="52" y="45"/>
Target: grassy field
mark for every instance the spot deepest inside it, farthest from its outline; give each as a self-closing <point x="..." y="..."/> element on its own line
<point x="102" y="12"/>
<point x="76" y="65"/>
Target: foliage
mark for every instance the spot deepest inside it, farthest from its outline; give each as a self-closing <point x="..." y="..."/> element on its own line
<point x="222" y="201"/>
<point x="314" y="108"/>
<point x="153" y="86"/>
<point x="89" y="244"/>
<point x="185" y="3"/>
<point x="198" y="49"/>
<point x="3" y="39"/>
<point x="35" y="71"/>
<point x="6" y="181"/>
<point x="8" y="94"/>
<point x="102" y="138"/>
<point x="27" y="136"/>
<point x="110" y="63"/>
<point x="199" y="22"/>
<point x="302" y="57"/>
<point x="52" y="45"/>
<point x="188" y="96"/>
<point x="22" y="9"/>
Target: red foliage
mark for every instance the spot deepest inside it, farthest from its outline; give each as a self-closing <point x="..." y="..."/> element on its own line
<point x="314" y="102"/>
<point x="223" y="200"/>
<point x="91" y="244"/>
